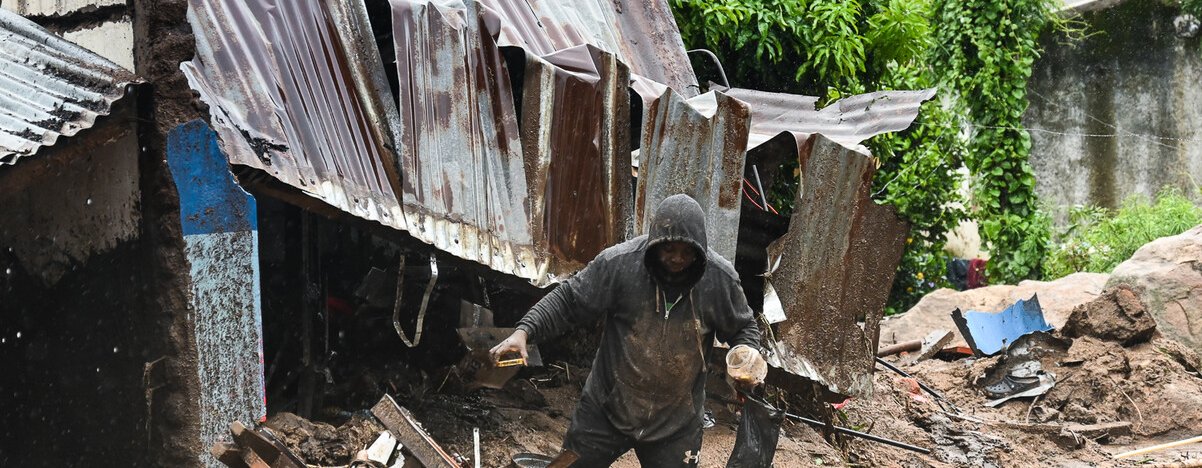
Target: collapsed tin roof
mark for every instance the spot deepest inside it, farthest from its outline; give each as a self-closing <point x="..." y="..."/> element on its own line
<point x="502" y="132"/>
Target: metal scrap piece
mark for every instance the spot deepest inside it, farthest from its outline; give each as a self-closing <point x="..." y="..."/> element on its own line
<point x="991" y="333"/>
<point x="836" y="266"/>
<point x="696" y="152"/>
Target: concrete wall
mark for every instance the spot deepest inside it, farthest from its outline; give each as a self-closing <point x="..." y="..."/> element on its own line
<point x="73" y="329"/>
<point x="1119" y="113"/>
<point x="61" y="208"/>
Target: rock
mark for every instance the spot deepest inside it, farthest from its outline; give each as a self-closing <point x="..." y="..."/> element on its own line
<point x="1117" y="315"/>
<point x="1167" y="275"/>
<point x="1057" y="298"/>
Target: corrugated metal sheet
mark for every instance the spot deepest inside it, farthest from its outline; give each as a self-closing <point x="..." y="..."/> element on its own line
<point x="576" y="119"/>
<point x="284" y="98"/>
<point x="642" y="33"/>
<point x="460" y="149"/>
<point x="699" y="153"/>
<point x="848" y="121"/>
<point x="49" y="87"/>
<point x="832" y="268"/>
<point x="533" y="185"/>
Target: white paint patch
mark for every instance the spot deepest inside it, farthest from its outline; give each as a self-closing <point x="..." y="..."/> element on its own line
<point x="229" y="331"/>
<point x="56" y="7"/>
<point x="111" y="40"/>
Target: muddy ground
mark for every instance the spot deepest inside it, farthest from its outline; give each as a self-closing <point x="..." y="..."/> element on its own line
<point x="1155" y="386"/>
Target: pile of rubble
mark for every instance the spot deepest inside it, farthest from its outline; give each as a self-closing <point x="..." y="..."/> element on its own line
<point x="1080" y="370"/>
<point x="1105" y="382"/>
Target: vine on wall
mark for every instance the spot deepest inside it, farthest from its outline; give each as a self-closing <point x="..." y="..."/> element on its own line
<point x="986" y="49"/>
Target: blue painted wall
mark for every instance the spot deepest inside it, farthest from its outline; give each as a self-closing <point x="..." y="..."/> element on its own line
<point x="222" y="246"/>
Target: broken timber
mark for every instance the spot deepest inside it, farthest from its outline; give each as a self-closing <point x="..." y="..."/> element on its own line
<point x="412" y="436"/>
<point x="254" y="449"/>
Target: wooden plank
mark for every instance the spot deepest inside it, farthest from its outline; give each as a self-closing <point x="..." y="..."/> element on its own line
<point x="262" y="448"/>
<point x="410" y="433"/>
<point x="229" y="454"/>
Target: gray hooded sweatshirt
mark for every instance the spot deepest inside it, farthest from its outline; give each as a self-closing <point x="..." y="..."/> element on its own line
<point x="649" y="373"/>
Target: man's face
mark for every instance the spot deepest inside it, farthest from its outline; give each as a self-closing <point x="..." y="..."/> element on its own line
<point x="676" y="256"/>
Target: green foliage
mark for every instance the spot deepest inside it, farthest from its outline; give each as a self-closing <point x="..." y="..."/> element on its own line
<point x="979" y="52"/>
<point x="1097" y="239"/>
<point x="833" y="48"/>
<point x="919" y="179"/>
<point x="1193" y="7"/>
<point x="986" y="49"/>
<point x="806" y="46"/>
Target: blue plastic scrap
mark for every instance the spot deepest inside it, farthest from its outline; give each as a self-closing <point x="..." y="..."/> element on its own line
<point x="990" y="333"/>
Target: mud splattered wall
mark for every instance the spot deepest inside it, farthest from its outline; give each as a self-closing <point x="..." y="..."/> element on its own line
<point x="221" y="242"/>
<point x="105" y="371"/>
<point x="1119" y="113"/>
<point x="71" y="354"/>
<point x="61" y="209"/>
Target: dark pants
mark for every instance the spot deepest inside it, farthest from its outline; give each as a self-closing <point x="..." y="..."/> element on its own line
<point x="599" y="444"/>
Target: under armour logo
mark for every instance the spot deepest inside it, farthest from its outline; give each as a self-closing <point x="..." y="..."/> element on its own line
<point x="691" y="457"/>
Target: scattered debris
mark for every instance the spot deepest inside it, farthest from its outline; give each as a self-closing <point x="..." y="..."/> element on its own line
<point x="898" y="348"/>
<point x="412" y="435"/>
<point x="379" y="453"/>
<point x="931" y="345"/>
<point x="988" y="334"/>
<point x="1031" y="383"/>
<point x="323" y="444"/>
<point x="1117" y="315"/>
<point x="1020" y="373"/>
<point x="255" y="449"/>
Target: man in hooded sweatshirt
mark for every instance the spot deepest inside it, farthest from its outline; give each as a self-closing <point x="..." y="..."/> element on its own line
<point x="664" y="297"/>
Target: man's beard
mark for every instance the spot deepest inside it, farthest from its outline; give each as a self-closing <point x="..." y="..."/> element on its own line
<point x="673" y="279"/>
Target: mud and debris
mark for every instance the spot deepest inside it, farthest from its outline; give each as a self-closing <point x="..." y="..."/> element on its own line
<point x="1118" y="316"/>
<point x="1110" y="396"/>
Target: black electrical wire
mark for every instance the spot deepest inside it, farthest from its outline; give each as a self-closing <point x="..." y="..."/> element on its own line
<point x="841" y="430"/>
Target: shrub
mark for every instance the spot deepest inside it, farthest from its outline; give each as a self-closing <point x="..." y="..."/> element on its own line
<point x="1097" y="239"/>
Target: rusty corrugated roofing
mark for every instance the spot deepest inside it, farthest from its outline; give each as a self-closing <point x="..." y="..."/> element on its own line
<point x="696" y="152"/>
<point x="642" y="33"/>
<point x="49" y="87"/>
<point x="532" y="184"/>
<point x="832" y="269"/>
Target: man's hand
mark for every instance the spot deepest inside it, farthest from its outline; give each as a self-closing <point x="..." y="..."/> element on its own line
<point x="516" y="343"/>
<point x="745" y="367"/>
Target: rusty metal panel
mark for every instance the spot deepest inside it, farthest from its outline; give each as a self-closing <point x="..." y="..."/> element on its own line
<point x="281" y="87"/>
<point x="699" y="153"/>
<point x="460" y="152"/>
<point x="833" y="267"/>
<point x="642" y="33"/>
<point x="49" y="87"/>
<point x="298" y="90"/>
<point x="576" y="119"/>
<point x="557" y="188"/>
<point x="848" y="121"/>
